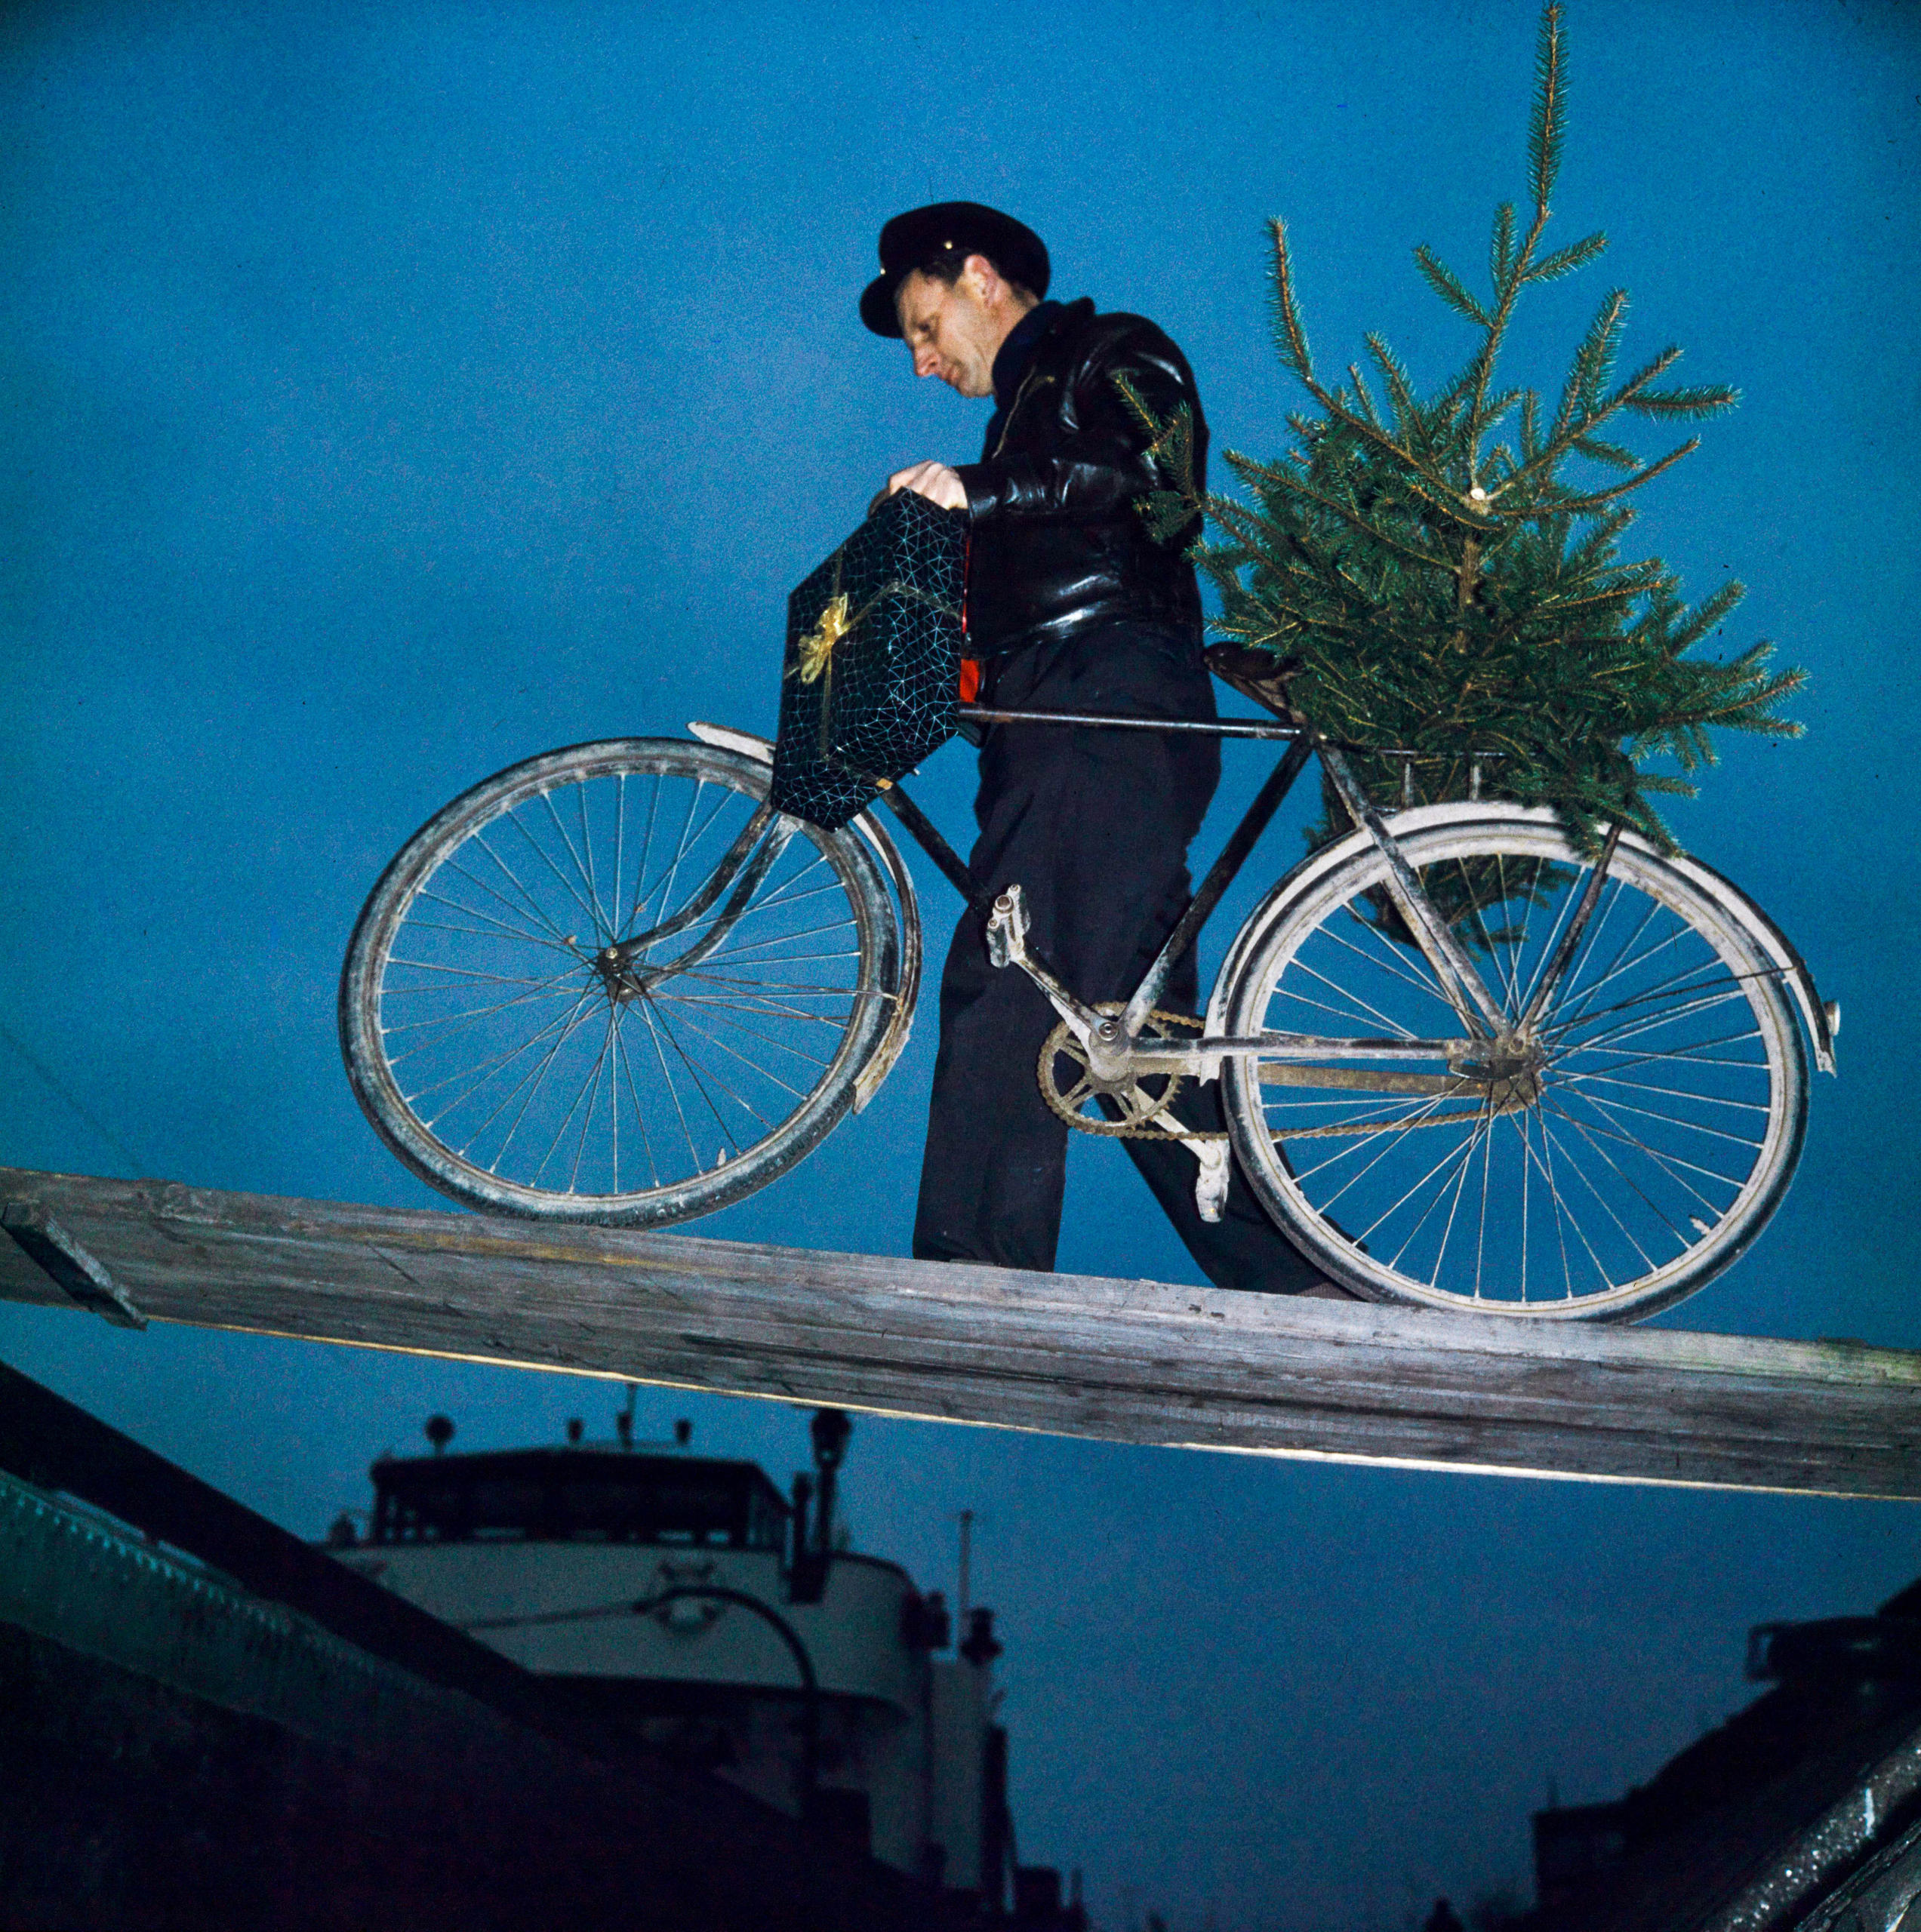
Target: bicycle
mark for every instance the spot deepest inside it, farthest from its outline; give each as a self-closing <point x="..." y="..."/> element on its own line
<point x="1583" y="1096"/>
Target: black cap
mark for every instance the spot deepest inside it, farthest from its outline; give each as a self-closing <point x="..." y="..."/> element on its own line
<point x="963" y="228"/>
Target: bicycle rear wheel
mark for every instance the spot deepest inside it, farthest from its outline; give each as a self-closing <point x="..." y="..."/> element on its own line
<point x="1644" y="1125"/>
<point x="611" y="985"/>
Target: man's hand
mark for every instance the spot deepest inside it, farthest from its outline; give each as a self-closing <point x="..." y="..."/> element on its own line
<point x="934" y="481"/>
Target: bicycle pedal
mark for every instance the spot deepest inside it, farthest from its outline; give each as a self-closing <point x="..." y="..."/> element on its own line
<point x="1007" y="928"/>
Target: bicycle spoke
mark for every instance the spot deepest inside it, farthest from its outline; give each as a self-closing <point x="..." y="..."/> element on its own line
<point x="591" y="902"/>
<point x="1580" y="1006"/>
<point x="1654" y="1159"/>
<point x="1385" y="960"/>
<point x="1405" y="1129"/>
<point x="693" y="1026"/>
<point x="688" y="839"/>
<point x="1590" y="942"/>
<point x="1361" y="1009"/>
<point x="545" y="858"/>
<point x="525" y="935"/>
<point x="1619" y="1106"/>
<point x="1628" y="1181"/>
<point x="1607" y="1206"/>
<point x="1561" y="1216"/>
<point x="639" y="1112"/>
<point x="1667" y="1162"/>
<point x="694" y="1074"/>
<point x="533" y="1080"/>
<point x="467" y="1013"/>
<point x="452" y="864"/>
<point x="493" y="1066"/>
<point x="459" y="972"/>
<point x="813" y="1059"/>
<point x="1614" y="966"/>
<point x="1460" y="1188"/>
<point x="604" y="921"/>
<point x="540" y="912"/>
<point x="1734" y="982"/>
<point x="1452" y="1154"/>
<point x="574" y="1107"/>
<point x="667" y="1080"/>
<point x="1652" y="1023"/>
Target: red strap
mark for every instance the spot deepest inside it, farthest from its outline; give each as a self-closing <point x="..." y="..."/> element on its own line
<point x="970" y="667"/>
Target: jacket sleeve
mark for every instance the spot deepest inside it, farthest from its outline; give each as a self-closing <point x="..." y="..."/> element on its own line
<point x="1103" y="466"/>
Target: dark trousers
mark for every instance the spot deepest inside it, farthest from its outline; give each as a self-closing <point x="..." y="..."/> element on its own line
<point x="1094" y="826"/>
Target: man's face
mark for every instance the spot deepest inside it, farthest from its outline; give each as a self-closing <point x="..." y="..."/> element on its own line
<point x="951" y="331"/>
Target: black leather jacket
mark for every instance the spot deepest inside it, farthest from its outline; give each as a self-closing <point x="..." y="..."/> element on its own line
<point x="1057" y="543"/>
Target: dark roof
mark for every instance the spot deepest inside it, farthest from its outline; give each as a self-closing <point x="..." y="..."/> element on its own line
<point x="640" y="1464"/>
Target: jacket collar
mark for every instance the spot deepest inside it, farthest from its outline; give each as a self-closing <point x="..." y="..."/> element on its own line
<point x="1010" y="362"/>
<point x="1043" y="324"/>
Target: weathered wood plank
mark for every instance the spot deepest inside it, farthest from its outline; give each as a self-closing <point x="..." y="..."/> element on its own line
<point x="1133" y="1362"/>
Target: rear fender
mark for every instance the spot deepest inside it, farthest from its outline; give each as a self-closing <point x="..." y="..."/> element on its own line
<point x="1823" y="1020"/>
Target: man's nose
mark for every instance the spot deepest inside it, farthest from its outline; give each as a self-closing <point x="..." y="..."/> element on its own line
<point x="924" y="361"/>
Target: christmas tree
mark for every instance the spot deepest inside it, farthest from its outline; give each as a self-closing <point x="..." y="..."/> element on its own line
<point x="1444" y="573"/>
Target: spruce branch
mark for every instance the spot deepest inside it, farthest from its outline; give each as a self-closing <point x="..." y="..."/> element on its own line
<point x="1547" y="125"/>
<point x="1580" y="506"/>
<point x="1564" y="261"/>
<point x="1289" y="336"/>
<point x="1501" y="247"/>
<point x="1450" y="288"/>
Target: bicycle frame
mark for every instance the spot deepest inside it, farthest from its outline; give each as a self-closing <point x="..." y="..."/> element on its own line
<point x="1116" y="1053"/>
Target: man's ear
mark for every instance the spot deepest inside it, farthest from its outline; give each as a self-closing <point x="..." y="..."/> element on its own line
<point x="984" y="279"/>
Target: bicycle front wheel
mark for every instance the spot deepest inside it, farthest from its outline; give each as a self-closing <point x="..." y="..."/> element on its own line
<point x="1637" y="1133"/>
<point x="611" y="985"/>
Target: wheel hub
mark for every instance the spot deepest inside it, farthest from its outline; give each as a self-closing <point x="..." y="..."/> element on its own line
<point x="619" y="979"/>
<point x="1510" y="1067"/>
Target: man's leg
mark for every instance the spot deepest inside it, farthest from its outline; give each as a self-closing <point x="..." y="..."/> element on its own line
<point x="1090" y="824"/>
<point x="996" y="1164"/>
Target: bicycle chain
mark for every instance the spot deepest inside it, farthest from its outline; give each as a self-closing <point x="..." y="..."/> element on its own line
<point x="1062" y="1040"/>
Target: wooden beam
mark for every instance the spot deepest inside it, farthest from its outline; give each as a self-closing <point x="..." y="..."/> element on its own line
<point x="1127" y="1362"/>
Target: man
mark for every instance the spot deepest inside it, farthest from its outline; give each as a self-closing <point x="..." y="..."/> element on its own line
<point x="1072" y="606"/>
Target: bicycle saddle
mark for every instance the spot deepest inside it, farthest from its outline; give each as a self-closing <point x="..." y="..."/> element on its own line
<point x="1258" y="675"/>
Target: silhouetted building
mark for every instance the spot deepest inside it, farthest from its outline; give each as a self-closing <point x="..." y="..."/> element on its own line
<point x="1800" y="1810"/>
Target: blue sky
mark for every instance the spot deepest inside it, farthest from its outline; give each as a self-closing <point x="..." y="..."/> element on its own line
<point x="393" y="392"/>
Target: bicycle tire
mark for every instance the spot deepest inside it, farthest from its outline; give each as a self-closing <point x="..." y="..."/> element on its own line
<point x="742" y="1031"/>
<point x="1638" y="1159"/>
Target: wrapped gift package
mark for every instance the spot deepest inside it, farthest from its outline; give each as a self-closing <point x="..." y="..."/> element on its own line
<point x="868" y="687"/>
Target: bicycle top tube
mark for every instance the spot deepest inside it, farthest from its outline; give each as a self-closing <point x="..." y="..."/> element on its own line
<point x="1212" y="728"/>
<point x="1217" y="727"/>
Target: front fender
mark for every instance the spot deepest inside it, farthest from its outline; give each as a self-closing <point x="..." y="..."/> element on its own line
<point x="880" y="1063"/>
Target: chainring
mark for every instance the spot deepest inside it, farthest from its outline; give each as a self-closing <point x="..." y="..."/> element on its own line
<point x="1139" y="1102"/>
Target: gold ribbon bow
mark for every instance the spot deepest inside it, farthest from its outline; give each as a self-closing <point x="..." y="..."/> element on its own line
<point x="817" y="648"/>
